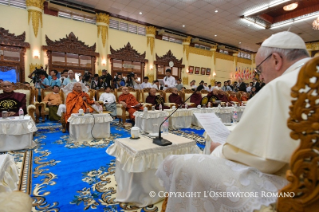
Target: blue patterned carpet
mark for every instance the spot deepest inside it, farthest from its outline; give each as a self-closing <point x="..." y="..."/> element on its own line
<point x="70" y="176"/>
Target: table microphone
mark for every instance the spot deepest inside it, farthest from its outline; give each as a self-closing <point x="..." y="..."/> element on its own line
<point x="161" y="141"/>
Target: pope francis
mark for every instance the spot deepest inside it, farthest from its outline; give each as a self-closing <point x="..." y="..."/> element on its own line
<point x="246" y="172"/>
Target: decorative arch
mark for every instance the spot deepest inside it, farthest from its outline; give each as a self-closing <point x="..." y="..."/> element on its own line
<point x="127" y="60"/>
<point x="9" y="42"/>
<point x="71" y="45"/>
<point x="162" y="63"/>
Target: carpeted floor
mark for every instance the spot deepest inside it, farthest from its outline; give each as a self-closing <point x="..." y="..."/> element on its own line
<point x="68" y="176"/>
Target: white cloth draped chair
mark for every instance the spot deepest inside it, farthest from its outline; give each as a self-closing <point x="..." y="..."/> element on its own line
<point x="9" y="174"/>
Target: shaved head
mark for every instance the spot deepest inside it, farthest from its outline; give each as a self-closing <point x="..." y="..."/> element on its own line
<point x="77" y="87"/>
<point x="125" y="90"/>
<point x="175" y="90"/>
<point x="152" y="91"/>
<point x="7" y="86"/>
<point x="215" y="91"/>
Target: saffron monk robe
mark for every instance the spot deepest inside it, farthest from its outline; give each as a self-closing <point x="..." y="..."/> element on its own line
<point x="219" y="95"/>
<point x="129" y="102"/>
<point x="11" y="101"/>
<point x="233" y="97"/>
<point x="244" y="97"/>
<point x="77" y="100"/>
<point x="151" y="99"/>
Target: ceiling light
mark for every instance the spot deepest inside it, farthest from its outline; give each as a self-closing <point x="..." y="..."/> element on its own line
<point x="290" y="7"/>
<point x="315" y="24"/>
<point x="239" y="42"/>
<point x="216" y="11"/>
<point x="141" y="13"/>
<point x="295" y="20"/>
<point x="215" y="35"/>
<point x="183" y="25"/>
<point x="250" y="21"/>
<point x="265" y="7"/>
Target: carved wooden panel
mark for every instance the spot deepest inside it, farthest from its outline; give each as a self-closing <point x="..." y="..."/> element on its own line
<point x="9" y="40"/>
<point x="127" y="53"/>
<point x="303" y="175"/>
<point x="165" y="59"/>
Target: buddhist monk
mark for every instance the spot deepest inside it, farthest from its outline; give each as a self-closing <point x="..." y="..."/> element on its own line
<point x="219" y="95"/>
<point x="77" y="100"/>
<point x="129" y="102"/>
<point x="11" y="101"/>
<point x="151" y="99"/>
<point x="53" y="100"/>
<point x="196" y="98"/>
<point x="233" y="97"/>
<point x="244" y="97"/>
<point x="175" y="98"/>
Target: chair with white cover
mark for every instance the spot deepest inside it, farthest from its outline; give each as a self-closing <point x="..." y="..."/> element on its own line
<point x="168" y="92"/>
<point x="185" y="95"/>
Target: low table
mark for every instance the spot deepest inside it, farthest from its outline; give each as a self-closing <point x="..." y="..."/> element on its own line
<point x="146" y="120"/>
<point x="16" y="133"/>
<point x="82" y="127"/>
<point x="182" y="118"/>
<point x="136" y="164"/>
<point x="9" y="176"/>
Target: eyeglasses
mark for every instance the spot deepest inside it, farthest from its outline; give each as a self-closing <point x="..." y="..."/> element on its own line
<point x="257" y="69"/>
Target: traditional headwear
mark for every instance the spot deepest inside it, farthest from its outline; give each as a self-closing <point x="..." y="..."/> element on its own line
<point x="285" y="40"/>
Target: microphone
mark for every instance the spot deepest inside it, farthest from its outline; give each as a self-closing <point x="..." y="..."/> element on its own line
<point x="161" y="141"/>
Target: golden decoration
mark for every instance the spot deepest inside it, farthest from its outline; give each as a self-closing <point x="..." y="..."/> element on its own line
<point x="151" y="30"/>
<point x="150" y="77"/>
<point x="102" y="17"/>
<point x="212" y="82"/>
<point x="186" y="48"/>
<point x="185" y="80"/>
<point x="188" y="39"/>
<point x="100" y="72"/>
<point x="151" y="41"/>
<point x="103" y="30"/>
<point x="244" y="60"/>
<point x="224" y="56"/>
<point x="36" y="18"/>
<point x="35" y="3"/>
<point x="202" y="52"/>
<point x="33" y="67"/>
<point x="7" y="104"/>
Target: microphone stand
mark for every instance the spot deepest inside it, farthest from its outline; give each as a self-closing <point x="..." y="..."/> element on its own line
<point x="161" y="141"/>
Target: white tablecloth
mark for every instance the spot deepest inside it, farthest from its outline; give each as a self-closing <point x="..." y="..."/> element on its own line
<point x="81" y="126"/>
<point x="224" y="113"/>
<point x="16" y="134"/>
<point x="146" y="121"/>
<point x="137" y="162"/>
<point x="9" y="176"/>
<point x="182" y="118"/>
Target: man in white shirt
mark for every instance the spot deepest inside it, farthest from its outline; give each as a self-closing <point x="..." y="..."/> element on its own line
<point x="146" y="84"/>
<point x="156" y="85"/>
<point x="169" y="80"/>
<point x="109" y="101"/>
<point x="192" y="85"/>
<point x="257" y="150"/>
<point x="69" y="79"/>
<point x="248" y="89"/>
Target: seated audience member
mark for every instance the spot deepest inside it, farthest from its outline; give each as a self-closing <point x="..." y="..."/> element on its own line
<point x="219" y="95"/>
<point x="54" y="79"/>
<point x="219" y="85"/>
<point x="11" y="101"/>
<point x="192" y="85"/>
<point x="235" y="87"/>
<point x="169" y="80"/>
<point x="109" y="101"/>
<point x="156" y="85"/>
<point x="27" y="84"/>
<point x="233" y="98"/>
<point x="248" y="89"/>
<point x="230" y="85"/>
<point x="64" y="75"/>
<point x="53" y="100"/>
<point x="196" y="98"/>
<point x="256" y="84"/>
<point x="119" y="81"/>
<point x="129" y="102"/>
<point x="70" y="78"/>
<point x="175" y="98"/>
<point x="209" y="88"/>
<point x="253" y="92"/>
<point x="145" y="83"/>
<point x="77" y="100"/>
<point x="179" y="84"/>
<point x="241" y="85"/>
<point x="226" y="87"/>
<point x="95" y="83"/>
<point x="151" y="99"/>
<point x="258" y="150"/>
<point x="244" y="96"/>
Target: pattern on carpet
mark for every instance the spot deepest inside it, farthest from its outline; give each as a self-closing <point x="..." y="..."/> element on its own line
<point x="70" y="176"/>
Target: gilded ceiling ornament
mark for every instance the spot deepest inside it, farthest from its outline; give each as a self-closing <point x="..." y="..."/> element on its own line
<point x="100" y="72"/>
<point x="312" y="46"/>
<point x="150" y="77"/>
<point x="35" y="3"/>
<point x="186" y="48"/>
<point x="36" y="18"/>
<point x="34" y="66"/>
<point x="151" y="30"/>
<point x="102" y="17"/>
<point x="188" y="39"/>
<point x="103" y="30"/>
<point x="151" y="42"/>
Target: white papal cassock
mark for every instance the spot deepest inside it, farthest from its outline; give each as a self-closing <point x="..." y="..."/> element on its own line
<point x="260" y="140"/>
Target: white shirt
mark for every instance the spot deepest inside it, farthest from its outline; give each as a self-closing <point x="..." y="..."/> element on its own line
<point x="156" y="87"/>
<point x="248" y="89"/>
<point x="193" y="87"/>
<point x="146" y="85"/>
<point x="169" y="81"/>
<point x="109" y="97"/>
<point x="209" y="89"/>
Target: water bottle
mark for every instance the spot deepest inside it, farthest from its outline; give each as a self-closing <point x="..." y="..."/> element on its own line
<point x="165" y="126"/>
<point x="209" y="104"/>
<point x="21" y="113"/>
<point x="219" y="106"/>
<point x="226" y="104"/>
<point x="160" y="107"/>
<point x="100" y="109"/>
<point x="186" y="106"/>
<point x="235" y="115"/>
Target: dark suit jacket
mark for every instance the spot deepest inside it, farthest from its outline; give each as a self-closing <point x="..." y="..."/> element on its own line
<point x="257" y="86"/>
<point x="242" y="87"/>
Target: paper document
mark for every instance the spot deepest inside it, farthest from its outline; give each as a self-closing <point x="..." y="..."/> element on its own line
<point x="213" y="126"/>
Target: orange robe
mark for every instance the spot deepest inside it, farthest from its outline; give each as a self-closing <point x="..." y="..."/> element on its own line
<point x="74" y="102"/>
<point x="130" y="101"/>
<point x="234" y="99"/>
<point x="244" y="98"/>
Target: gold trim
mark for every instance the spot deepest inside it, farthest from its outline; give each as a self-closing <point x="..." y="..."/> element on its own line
<point x="244" y="60"/>
<point x="212" y="82"/>
<point x="33" y="66"/>
<point x="202" y="52"/>
<point x="150" y="77"/>
<point x="186" y="48"/>
<point x="188" y="39"/>
<point x="312" y="46"/>
<point x="103" y="30"/>
<point x="36" y="19"/>
<point x="102" y="17"/>
<point x="185" y="81"/>
<point x="100" y="72"/>
<point x="151" y="42"/>
<point x="224" y="56"/>
<point x="35" y="3"/>
<point x="151" y="30"/>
